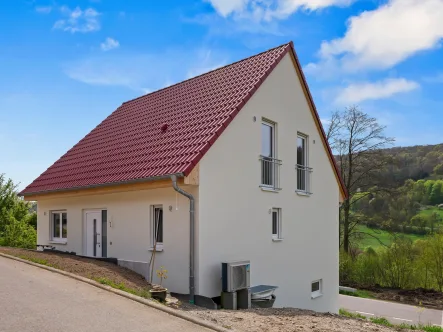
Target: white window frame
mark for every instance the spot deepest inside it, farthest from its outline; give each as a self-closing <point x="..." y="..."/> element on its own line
<point x="273" y="125"/>
<point x="319" y="292"/>
<point x="270" y="163"/>
<point x="59" y="239"/>
<point x="307" y="170"/>
<point x="159" y="245"/>
<point x="276" y="236"/>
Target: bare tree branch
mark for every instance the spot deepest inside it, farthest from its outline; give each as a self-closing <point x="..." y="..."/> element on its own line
<point x="357" y="141"/>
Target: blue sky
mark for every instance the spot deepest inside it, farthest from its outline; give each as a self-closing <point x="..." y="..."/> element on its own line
<point x="65" y="66"/>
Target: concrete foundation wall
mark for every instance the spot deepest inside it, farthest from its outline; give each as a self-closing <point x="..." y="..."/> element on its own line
<point x="141" y="268"/>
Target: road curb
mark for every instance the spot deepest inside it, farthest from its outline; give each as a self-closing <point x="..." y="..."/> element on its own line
<point x="139" y="299"/>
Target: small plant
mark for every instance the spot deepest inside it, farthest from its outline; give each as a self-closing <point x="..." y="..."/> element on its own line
<point x="158" y="292"/>
<point x="344" y="312"/>
<point x="162" y="273"/>
<point x="121" y="286"/>
<point x="430" y="328"/>
<point x="359" y="293"/>
<point x="40" y="261"/>
<point x="381" y="321"/>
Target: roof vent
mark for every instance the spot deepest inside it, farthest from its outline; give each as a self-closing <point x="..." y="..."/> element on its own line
<point x="164" y="127"/>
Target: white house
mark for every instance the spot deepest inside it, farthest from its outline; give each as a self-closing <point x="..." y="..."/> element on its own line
<point x="245" y="145"/>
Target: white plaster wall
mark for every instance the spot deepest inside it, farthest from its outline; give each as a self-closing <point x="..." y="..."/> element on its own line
<point x="130" y="233"/>
<point x="235" y="223"/>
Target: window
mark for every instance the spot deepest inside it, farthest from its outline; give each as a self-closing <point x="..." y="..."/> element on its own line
<point x="267" y="139"/>
<point x="59" y="226"/>
<point x="157" y="226"/>
<point x="316" y="288"/>
<point x="269" y="164"/>
<point x="303" y="171"/>
<point x="276" y="224"/>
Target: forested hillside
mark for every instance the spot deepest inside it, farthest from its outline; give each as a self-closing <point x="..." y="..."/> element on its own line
<point x="408" y="200"/>
<point x="414" y="162"/>
<point x="391" y="223"/>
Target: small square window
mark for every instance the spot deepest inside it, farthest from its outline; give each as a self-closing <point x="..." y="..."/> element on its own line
<point x="276" y="224"/>
<point x="316" y="288"/>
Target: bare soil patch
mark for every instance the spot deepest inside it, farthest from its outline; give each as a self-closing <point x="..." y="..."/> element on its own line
<point x="419" y="297"/>
<point x="282" y="320"/>
<point x="428" y="298"/>
<point x="88" y="268"/>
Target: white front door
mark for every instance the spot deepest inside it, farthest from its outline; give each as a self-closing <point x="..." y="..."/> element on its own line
<point x="93" y="233"/>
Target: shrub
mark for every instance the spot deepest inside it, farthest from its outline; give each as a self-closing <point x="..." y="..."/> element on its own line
<point x="403" y="265"/>
<point x="19" y="233"/>
<point x="346" y="267"/>
<point x="366" y="268"/>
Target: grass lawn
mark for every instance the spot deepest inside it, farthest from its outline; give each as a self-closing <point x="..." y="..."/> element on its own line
<point x="383" y="236"/>
<point x="359" y="293"/>
<point x="431" y="210"/>
<point x="383" y="321"/>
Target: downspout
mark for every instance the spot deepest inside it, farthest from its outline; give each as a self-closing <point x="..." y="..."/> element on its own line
<point x="191" y="237"/>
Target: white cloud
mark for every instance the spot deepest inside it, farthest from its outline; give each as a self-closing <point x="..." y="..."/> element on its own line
<point x="226" y="7"/>
<point x="384" y="37"/>
<point x="438" y="78"/>
<point x="358" y="92"/>
<point x="325" y="122"/>
<point x="109" y="44"/>
<point x="142" y="72"/>
<point x="205" y="64"/>
<point x="268" y="10"/>
<point x="43" y="9"/>
<point x="78" y="20"/>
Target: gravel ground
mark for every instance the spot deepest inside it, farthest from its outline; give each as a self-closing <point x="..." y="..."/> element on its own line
<point x="282" y="320"/>
<point x="84" y="267"/>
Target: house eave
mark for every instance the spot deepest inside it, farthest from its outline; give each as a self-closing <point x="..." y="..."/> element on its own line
<point x="102" y="185"/>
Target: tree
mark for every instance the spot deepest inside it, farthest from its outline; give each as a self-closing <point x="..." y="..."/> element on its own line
<point x="438" y="170"/>
<point x="436" y="196"/>
<point x="357" y="140"/>
<point x="435" y="247"/>
<point x="420" y="222"/>
<point x="19" y="233"/>
<point x="424" y="261"/>
<point x="433" y="219"/>
<point x="396" y="264"/>
<point x="16" y="221"/>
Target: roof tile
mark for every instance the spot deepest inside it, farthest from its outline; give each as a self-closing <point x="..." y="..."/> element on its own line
<point x="130" y="145"/>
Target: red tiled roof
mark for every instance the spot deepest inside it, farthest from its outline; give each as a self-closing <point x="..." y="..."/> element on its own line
<point x="165" y="132"/>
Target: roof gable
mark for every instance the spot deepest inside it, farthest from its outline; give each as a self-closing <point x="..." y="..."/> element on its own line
<point x="130" y="144"/>
<point x="162" y="133"/>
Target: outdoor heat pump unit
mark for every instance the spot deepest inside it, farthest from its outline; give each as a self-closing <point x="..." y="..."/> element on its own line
<point x="235" y="276"/>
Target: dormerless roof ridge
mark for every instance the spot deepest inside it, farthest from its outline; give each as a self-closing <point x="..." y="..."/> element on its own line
<point x="164" y="132"/>
<point x="205" y="73"/>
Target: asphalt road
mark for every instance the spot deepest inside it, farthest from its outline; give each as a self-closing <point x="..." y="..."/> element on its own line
<point x="396" y="313"/>
<point x="33" y="299"/>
